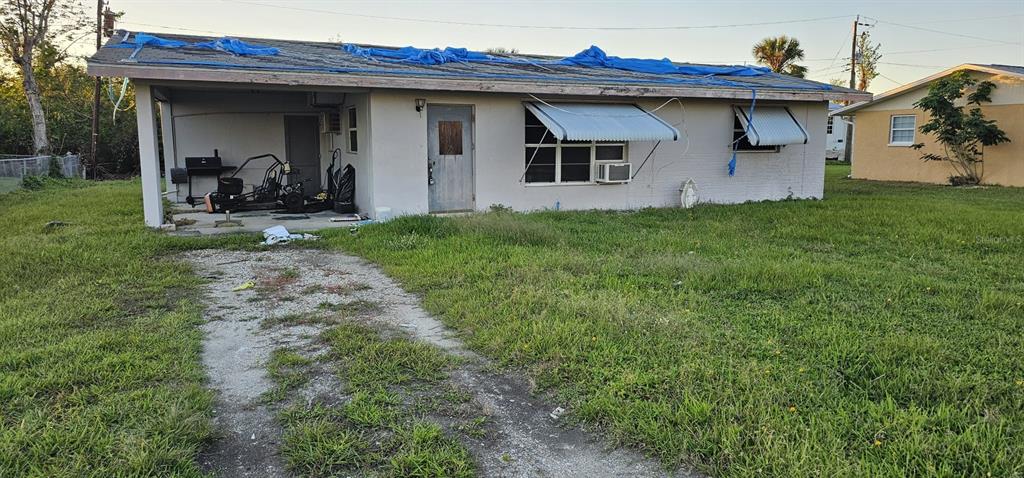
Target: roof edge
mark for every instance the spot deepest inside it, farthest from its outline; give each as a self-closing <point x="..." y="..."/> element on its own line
<point x="899" y="90"/>
<point x="214" y="75"/>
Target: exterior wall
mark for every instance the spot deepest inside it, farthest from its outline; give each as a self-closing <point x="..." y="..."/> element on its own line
<point x="400" y="169"/>
<point x="361" y="158"/>
<point x="875" y="159"/>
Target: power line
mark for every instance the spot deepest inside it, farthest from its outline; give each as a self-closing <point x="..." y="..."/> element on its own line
<point x="912" y="64"/>
<point x="842" y="45"/>
<point x="905" y="52"/>
<point x="961" y="20"/>
<point x="913" y="27"/>
<point x="171" y="28"/>
<point x="886" y="77"/>
<point x="533" y="27"/>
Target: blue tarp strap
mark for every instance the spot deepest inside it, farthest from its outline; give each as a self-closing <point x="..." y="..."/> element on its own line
<point x="746" y="131"/>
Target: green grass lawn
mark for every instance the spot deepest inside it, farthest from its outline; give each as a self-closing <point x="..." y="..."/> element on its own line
<point x="99" y="364"/>
<point x="875" y="333"/>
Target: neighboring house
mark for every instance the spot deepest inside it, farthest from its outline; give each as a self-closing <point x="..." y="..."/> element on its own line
<point x="886" y="126"/>
<point x="835" y="135"/>
<point x="438" y="131"/>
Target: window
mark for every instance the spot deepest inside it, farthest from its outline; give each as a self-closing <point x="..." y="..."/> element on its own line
<point x="828" y="128"/>
<point x="741" y="143"/>
<point x="353" y="131"/>
<point x="901" y="130"/>
<point x="555" y="161"/>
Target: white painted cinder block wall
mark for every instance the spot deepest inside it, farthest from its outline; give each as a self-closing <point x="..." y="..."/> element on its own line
<point x="360" y="159"/>
<point x="399" y="141"/>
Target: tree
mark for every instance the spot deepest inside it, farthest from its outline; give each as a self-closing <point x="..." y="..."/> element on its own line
<point x="781" y="54"/>
<point x="66" y="90"/>
<point x="963" y="135"/>
<point x="25" y="26"/>
<point x="867" y="60"/>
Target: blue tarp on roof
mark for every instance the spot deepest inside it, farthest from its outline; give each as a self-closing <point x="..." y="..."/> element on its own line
<point x="143" y="39"/>
<point x="591" y="57"/>
<point x="423" y="56"/>
<point x="595" y="56"/>
<point x="236" y="47"/>
<point x="592" y="66"/>
<point x="225" y="44"/>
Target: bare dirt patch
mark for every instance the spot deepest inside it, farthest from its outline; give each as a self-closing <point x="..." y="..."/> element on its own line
<point x="508" y="429"/>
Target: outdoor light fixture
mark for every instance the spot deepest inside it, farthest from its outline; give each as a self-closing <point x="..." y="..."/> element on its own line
<point x="420" y="103"/>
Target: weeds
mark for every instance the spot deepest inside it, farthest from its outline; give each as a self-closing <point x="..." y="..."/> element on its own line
<point x="99" y="363"/>
<point x="352" y="308"/>
<point x="874" y="333"/>
<point x="373" y="433"/>
<point x="289" y="371"/>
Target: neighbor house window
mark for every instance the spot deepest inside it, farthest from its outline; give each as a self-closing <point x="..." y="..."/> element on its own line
<point x="828" y="128"/>
<point x="353" y="131"/>
<point x="901" y="130"/>
<point x="740" y="142"/>
<point x="549" y="160"/>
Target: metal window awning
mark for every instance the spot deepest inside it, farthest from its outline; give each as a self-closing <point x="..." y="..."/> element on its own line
<point x="602" y="122"/>
<point x="771" y="126"/>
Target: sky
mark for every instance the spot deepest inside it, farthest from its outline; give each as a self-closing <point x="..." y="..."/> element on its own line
<point x="918" y="38"/>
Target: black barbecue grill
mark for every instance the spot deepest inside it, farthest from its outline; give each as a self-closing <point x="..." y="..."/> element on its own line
<point x="203" y="166"/>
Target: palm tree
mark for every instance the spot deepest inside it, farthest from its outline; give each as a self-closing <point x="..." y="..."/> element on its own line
<point x="781" y="54"/>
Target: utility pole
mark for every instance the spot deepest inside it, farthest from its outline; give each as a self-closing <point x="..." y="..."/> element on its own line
<point x="848" y="147"/>
<point x="853" y="55"/>
<point x="96" y="93"/>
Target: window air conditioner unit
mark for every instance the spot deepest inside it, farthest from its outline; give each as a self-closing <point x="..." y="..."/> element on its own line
<point x="614" y="173"/>
<point x="330" y="122"/>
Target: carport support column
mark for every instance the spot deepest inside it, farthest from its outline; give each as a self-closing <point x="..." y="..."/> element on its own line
<point x="152" y="203"/>
<point x="167" y="141"/>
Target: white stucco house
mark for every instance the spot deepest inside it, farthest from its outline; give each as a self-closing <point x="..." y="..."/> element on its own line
<point x="835" y="135"/>
<point x="438" y="131"/>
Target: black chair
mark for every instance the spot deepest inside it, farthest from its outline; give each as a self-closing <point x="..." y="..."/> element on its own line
<point x="228" y="188"/>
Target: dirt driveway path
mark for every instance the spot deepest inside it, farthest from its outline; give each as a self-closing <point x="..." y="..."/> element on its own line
<point x="244" y="327"/>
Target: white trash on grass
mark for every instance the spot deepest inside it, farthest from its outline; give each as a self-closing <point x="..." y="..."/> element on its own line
<point x="280" y="235"/>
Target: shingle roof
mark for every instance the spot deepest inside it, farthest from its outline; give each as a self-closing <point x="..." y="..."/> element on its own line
<point x="1011" y="69"/>
<point x="300" y="57"/>
<point x="899" y="90"/>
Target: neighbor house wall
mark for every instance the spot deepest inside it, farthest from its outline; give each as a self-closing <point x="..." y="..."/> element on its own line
<point x="874" y="158"/>
<point x="399" y="154"/>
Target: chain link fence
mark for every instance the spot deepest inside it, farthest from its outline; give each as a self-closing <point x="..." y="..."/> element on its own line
<point x="14" y="168"/>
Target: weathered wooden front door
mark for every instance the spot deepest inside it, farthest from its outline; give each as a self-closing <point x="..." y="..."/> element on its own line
<point x="450" y="158"/>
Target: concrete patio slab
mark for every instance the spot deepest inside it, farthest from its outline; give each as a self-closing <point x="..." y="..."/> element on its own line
<point x="198" y="222"/>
